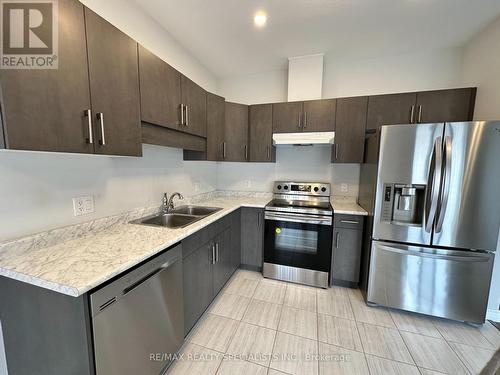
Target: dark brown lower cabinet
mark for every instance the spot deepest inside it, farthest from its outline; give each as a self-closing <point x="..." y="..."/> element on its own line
<point x="350" y="130"/>
<point x="346" y="251"/>
<point x="260" y="141"/>
<point x="235" y="132"/>
<point x="252" y="238"/>
<point x="45" y="110"/>
<point x="215" y="127"/>
<point x="114" y="88"/>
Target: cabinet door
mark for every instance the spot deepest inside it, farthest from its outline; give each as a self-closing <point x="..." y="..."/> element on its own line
<point x="319" y="115"/>
<point x="223" y="260"/>
<point x="160" y="91"/>
<point x="446" y="105"/>
<point x="391" y="109"/>
<point x="350" y="130"/>
<point x="236" y="132"/>
<point x="197" y="284"/>
<point x="114" y="88"/>
<point x="346" y="257"/>
<point x="43" y="110"/>
<point x="215" y="127"/>
<point x="236" y="239"/>
<point x="287" y="117"/>
<point x="195" y="99"/>
<point x="261" y="133"/>
<point x="252" y="237"/>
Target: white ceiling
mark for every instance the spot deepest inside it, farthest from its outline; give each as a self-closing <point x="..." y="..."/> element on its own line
<point x="221" y="34"/>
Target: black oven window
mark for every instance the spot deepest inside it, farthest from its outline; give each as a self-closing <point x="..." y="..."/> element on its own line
<point x="296" y="240"/>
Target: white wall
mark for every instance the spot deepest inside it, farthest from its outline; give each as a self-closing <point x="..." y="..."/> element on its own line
<point x="133" y="21"/>
<point x="481" y="68"/>
<point x="37" y="188"/>
<point x="298" y="163"/>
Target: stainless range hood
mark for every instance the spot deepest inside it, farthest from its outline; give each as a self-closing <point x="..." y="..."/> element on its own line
<point x="303" y="138"/>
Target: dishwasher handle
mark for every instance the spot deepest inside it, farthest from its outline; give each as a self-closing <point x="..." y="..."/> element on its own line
<point x="142" y="280"/>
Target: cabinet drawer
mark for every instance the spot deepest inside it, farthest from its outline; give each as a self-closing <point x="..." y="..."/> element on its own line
<point x="348" y="221"/>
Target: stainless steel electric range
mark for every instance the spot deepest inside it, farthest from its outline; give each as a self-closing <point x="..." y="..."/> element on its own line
<point x="298" y="233"/>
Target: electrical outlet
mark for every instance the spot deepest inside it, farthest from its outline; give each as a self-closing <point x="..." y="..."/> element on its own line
<point x="344" y="188"/>
<point x="248" y="183"/>
<point x="83" y="205"/>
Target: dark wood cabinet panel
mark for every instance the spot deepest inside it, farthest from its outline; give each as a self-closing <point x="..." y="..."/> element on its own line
<point x="160" y="86"/>
<point x="236" y="239"/>
<point x="236" y="132"/>
<point x="350" y="130"/>
<point x="44" y="110"/>
<point x="261" y="147"/>
<point x="197" y="284"/>
<point x="195" y="99"/>
<point x="223" y="266"/>
<point x="287" y="117"/>
<point x="346" y="257"/>
<point x="252" y="238"/>
<point x="114" y="88"/>
<point x="391" y="109"/>
<point x="445" y="105"/>
<point x="215" y="126"/>
<point x="319" y="115"/>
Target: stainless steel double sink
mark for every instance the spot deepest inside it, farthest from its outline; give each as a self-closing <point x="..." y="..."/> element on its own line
<point x="178" y="217"/>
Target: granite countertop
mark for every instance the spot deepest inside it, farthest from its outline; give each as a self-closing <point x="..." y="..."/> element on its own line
<point x="75" y="266"/>
<point x="347" y="206"/>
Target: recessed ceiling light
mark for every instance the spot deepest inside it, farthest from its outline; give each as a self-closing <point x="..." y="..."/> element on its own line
<point x="260" y="19"/>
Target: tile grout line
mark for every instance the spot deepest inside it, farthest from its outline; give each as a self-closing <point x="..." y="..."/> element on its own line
<point x="275" y="337"/>
<point x="317" y="330"/>
<point x="402" y="338"/>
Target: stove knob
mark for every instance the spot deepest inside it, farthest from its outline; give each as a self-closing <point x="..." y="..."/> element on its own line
<point x="285" y="187"/>
<point x="279" y="187"/>
<point x="323" y="189"/>
<point x="316" y="188"/>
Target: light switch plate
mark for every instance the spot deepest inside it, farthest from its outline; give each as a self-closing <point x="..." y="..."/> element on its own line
<point x="83" y="205"/>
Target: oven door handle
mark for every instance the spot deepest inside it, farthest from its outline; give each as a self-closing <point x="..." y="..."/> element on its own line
<point x="298" y="218"/>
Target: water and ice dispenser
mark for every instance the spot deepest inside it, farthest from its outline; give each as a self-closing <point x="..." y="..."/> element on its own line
<point x="403" y="204"/>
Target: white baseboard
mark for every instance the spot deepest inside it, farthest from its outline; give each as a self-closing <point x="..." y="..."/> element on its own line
<point x="493" y="315"/>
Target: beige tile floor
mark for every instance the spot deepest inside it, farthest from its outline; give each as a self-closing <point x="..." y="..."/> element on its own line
<point x="267" y="327"/>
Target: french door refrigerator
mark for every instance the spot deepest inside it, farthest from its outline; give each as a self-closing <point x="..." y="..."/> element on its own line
<point x="436" y="218"/>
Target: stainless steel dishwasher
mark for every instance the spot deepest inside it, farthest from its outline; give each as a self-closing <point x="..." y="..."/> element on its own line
<point x="138" y="320"/>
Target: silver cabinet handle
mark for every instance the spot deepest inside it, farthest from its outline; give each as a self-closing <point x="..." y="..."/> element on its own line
<point x="90" y="138"/>
<point x="419" y="114"/>
<point x="300" y="118"/>
<point x="412" y="114"/>
<point x="305" y="120"/>
<point x="246" y="152"/>
<point x="336" y="150"/>
<point x="100" y="117"/>
<point x="187" y="115"/>
<point x="337" y="240"/>
<point x="224" y="150"/>
<point x="213" y="254"/>
<point x="349" y="222"/>
<point x="182" y="114"/>
<point x="268" y="152"/>
<point x="216" y="252"/>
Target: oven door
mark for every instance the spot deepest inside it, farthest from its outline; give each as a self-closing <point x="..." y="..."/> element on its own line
<point x="297" y="240"/>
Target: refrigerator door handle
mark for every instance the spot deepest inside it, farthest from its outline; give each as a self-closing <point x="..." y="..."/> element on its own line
<point x="433" y="184"/>
<point x="443" y="200"/>
<point x="458" y="258"/>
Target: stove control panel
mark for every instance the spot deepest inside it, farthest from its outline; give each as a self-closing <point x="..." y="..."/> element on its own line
<point x="302" y="188"/>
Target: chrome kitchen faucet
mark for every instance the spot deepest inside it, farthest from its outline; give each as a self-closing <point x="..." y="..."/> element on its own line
<point x="168" y="203"/>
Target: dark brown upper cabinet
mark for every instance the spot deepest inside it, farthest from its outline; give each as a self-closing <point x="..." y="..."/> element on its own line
<point x="215" y="127"/>
<point x="114" y="88"/>
<point x="445" y="105"/>
<point x="194" y="101"/>
<point x="391" y="109"/>
<point x="160" y="91"/>
<point x="319" y="115"/>
<point x="45" y="110"/>
<point x="308" y="116"/>
<point x="287" y="117"/>
<point x="235" y="132"/>
<point x="260" y="124"/>
<point x="350" y="130"/>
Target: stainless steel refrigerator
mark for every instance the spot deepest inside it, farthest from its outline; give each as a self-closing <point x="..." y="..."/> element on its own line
<point x="436" y="218"/>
